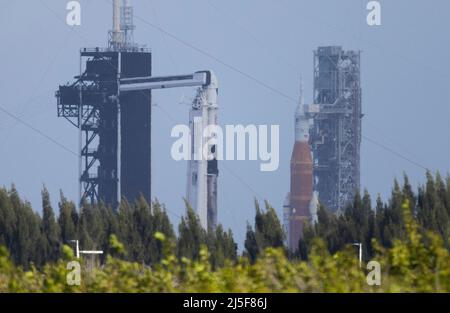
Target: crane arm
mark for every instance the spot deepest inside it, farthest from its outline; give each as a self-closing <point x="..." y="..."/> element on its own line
<point x="154" y="82"/>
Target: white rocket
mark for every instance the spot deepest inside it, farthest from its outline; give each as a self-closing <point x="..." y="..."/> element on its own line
<point x="202" y="171"/>
<point x="202" y="167"/>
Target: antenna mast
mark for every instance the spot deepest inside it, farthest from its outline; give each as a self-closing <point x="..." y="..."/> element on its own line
<point x="121" y="36"/>
<point x="126" y="23"/>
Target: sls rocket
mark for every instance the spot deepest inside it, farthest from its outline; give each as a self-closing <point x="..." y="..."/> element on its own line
<point x="301" y="203"/>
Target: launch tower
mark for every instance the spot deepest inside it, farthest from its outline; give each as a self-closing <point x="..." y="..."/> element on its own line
<point x="336" y="131"/>
<point x="110" y="104"/>
<point x="114" y="129"/>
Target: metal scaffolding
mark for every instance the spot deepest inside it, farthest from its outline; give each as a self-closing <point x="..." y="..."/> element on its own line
<point x="89" y="104"/>
<point x="336" y="133"/>
<point x="114" y="136"/>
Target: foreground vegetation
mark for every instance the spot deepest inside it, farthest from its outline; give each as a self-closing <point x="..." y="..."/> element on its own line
<point x="409" y="266"/>
<point x="408" y="236"/>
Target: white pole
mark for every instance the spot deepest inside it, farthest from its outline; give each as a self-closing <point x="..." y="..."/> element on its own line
<point x="116" y="16"/>
<point x="116" y="23"/>
<point x="360" y="254"/>
<point x="359" y="245"/>
<point x="77" y="248"/>
<point x="91" y="252"/>
<point x="78" y="251"/>
<point x="80" y="139"/>
<point x="119" y="132"/>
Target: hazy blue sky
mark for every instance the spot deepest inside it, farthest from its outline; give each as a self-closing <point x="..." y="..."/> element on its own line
<point x="405" y="81"/>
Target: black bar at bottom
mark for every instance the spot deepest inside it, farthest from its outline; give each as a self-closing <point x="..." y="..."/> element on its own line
<point x="213" y="302"/>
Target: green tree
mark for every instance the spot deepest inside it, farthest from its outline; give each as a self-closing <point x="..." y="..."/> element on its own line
<point x="161" y="224"/>
<point x="221" y="246"/>
<point x="432" y="212"/>
<point x="50" y="230"/>
<point x="251" y="245"/>
<point x="191" y="235"/>
<point x="128" y="232"/>
<point x="268" y="231"/>
<point x="67" y="219"/>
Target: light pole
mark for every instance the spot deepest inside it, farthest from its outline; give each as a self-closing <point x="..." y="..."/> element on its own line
<point x="359" y="244"/>
<point x="78" y="251"/>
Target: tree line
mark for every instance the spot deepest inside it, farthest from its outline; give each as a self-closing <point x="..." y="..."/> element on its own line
<point x="38" y="239"/>
<point x="361" y="222"/>
<point x="35" y="239"/>
<point x="417" y="263"/>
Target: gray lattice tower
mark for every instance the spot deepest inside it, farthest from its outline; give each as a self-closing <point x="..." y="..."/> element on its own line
<point x="336" y="134"/>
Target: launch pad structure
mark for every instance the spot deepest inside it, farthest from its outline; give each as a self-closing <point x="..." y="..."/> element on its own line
<point x="336" y="131"/>
<point x="110" y="104"/>
<point x="114" y="129"/>
<point x="325" y="161"/>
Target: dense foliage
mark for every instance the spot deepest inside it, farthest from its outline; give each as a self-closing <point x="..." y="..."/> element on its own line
<point x="32" y="239"/>
<point x="408" y="236"/>
<point x="409" y="266"/>
<point x="267" y="233"/>
<point x="361" y="222"/>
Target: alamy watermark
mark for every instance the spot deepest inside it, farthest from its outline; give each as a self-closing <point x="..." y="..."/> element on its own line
<point x="73" y="277"/>
<point x="373" y="278"/>
<point x="73" y="17"/>
<point x="230" y="144"/>
<point x="374" y="15"/>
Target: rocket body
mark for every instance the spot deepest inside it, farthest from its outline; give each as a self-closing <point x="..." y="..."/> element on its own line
<point x="302" y="199"/>
<point x="301" y="191"/>
<point x="203" y="169"/>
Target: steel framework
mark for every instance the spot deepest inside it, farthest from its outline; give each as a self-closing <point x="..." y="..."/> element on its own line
<point x="114" y="130"/>
<point x="336" y="132"/>
<point x="90" y="104"/>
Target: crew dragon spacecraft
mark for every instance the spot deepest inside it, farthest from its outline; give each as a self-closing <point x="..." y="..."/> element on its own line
<point x="301" y="202"/>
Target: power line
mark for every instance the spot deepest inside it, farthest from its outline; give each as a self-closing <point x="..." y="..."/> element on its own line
<point x="42" y="110"/>
<point x="162" y="109"/>
<point x="371" y="42"/>
<point x="392" y="141"/>
<point x="222" y="164"/>
<point x="262" y="43"/>
<point x="242" y="181"/>
<point x="163" y="37"/>
<point x="18" y="119"/>
<point x="46" y="70"/>
<point x="246" y="75"/>
<point x="214" y="58"/>
<point x="62" y="146"/>
<point x="251" y="77"/>
<point x="395" y="152"/>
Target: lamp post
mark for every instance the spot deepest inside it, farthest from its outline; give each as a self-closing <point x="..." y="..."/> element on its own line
<point x="359" y="245"/>
<point x="78" y="251"/>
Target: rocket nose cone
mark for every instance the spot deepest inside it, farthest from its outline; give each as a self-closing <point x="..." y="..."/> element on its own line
<point x="301" y="124"/>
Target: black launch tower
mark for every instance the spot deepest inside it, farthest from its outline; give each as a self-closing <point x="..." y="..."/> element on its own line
<point x="114" y="129"/>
